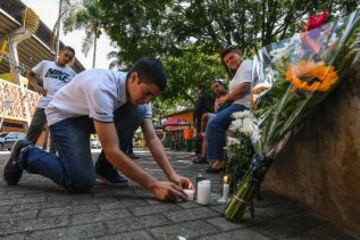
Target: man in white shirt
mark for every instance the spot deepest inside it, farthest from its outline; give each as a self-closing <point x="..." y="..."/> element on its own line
<point x="54" y="76"/>
<point x="92" y="100"/>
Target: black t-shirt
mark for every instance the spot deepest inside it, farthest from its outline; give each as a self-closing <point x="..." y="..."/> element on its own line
<point x="204" y="103"/>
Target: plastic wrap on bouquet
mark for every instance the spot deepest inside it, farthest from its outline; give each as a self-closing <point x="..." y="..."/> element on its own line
<point x="290" y="78"/>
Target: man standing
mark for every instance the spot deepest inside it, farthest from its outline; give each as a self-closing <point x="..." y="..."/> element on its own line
<point x="54" y="76"/>
<point x="204" y="104"/>
<point x="96" y="98"/>
<point x="188" y="136"/>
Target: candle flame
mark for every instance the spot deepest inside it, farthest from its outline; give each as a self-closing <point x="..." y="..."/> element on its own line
<point x="225" y="179"/>
<point x="190" y="186"/>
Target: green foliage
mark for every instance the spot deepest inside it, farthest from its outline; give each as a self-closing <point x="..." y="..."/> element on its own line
<point x="187" y="71"/>
<point x="87" y="16"/>
<point x="178" y="31"/>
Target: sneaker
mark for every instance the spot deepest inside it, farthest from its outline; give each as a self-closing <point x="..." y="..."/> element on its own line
<point x="200" y="160"/>
<point x="12" y="170"/>
<point x="110" y="175"/>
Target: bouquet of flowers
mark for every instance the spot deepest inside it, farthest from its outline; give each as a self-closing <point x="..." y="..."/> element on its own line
<point x="239" y="146"/>
<point x="289" y="79"/>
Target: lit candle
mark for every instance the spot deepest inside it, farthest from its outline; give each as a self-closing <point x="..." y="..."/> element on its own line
<point x="189" y="193"/>
<point x="226" y="188"/>
<point x="203" y="192"/>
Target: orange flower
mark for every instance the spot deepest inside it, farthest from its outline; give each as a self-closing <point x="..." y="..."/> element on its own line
<point x="311" y="76"/>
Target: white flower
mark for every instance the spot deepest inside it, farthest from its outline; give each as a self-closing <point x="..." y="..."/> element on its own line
<point x="233" y="141"/>
<point x="247" y="127"/>
<point x="241" y="114"/>
<point x="237" y="115"/>
<point x="255" y="137"/>
<point x="236" y="125"/>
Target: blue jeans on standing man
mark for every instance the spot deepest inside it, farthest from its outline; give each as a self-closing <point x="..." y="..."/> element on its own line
<point x="216" y="131"/>
<point x="74" y="168"/>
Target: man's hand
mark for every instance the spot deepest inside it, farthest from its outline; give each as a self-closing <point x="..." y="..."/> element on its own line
<point x="181" y="181"/>
<point x="168" y="191"/>
<point x="222" y="100"/>
<point x="33" y="82"/>
<point x="40" y="90"/>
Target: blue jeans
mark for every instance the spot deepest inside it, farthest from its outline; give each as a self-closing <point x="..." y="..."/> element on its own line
<point x="74" y="168"/>
<point x="216" y="131"/>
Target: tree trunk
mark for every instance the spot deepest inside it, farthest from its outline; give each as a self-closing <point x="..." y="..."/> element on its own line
<point x="94" y="55"/>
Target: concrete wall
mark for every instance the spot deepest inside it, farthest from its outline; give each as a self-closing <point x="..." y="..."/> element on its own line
<point x="320" y="166"/>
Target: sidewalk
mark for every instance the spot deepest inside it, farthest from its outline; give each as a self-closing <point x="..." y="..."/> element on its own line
<point x="38" y="209"/>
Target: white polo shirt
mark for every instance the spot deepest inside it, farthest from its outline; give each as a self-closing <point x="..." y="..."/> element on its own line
<point x="53" y="77"/>
<point x="243" y="74"/>
<point x="96" y="93"/>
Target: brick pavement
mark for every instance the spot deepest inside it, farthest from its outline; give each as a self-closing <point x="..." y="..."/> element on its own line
<point x="38" y="209"/>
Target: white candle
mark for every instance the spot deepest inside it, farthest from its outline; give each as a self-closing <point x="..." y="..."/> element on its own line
<point x="203" y="192"/>
<point x="225" y="188"/>
<point x="189" y="194"/>
<point x="226" y="191"/>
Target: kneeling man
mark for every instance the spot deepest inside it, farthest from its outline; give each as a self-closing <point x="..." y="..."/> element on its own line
<point x="107" y="101"/>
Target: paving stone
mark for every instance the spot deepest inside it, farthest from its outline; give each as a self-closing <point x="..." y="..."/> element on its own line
<point x="10" y="195"/>
<point x="9" y="217"/>
<point x="39" y="209"/>
<point x="288" y="226"/>
<point x="33" y="206"/>
<point x="190" y="214"/>
<point x="71" y="233"/>
<point x="224" y="224"/>
<point x="137" y="235"/>
<point x="113" y="192"/>
<point x="122" y="203"/>
<point x="100" y="216"/>
<point x="188" y="204"/>
<point x="271" y="212"/>
<point x="325" y="231"/>
<point x="219" y="208"/>
<point x="146" y="210"/>
<point x="68" y="210"/>
<point x="5" y="209"/>
<point x="268" y="199"/>
<point x="247" y="234"/>
<point x="152" y="201"/>
<point x="135" y="223"/>
<point x="91" y="201"/>
<point x="13" y="237"/>
<point x="33" y="224"/>
<point x="24" y="200"/>
<point x="187" y="230"/>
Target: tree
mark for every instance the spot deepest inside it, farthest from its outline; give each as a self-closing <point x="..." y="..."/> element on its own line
<point x="187" y="35"/>
<point x="160" y="27"/>
<point x="86" y="15"/>
<point x="187" y="71"/>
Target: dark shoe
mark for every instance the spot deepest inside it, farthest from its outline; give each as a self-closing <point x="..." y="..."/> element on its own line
<point x="201" y="161"/>
<point x="12" y="170"/>
<point x="110" y="175"/>
<point x="213" y="170"/>
<point x="133" y="156"/>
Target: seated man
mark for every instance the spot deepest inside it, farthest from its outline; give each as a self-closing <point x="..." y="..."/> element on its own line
<point x="219" y="90"/>
<point x="97" y="98"/>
